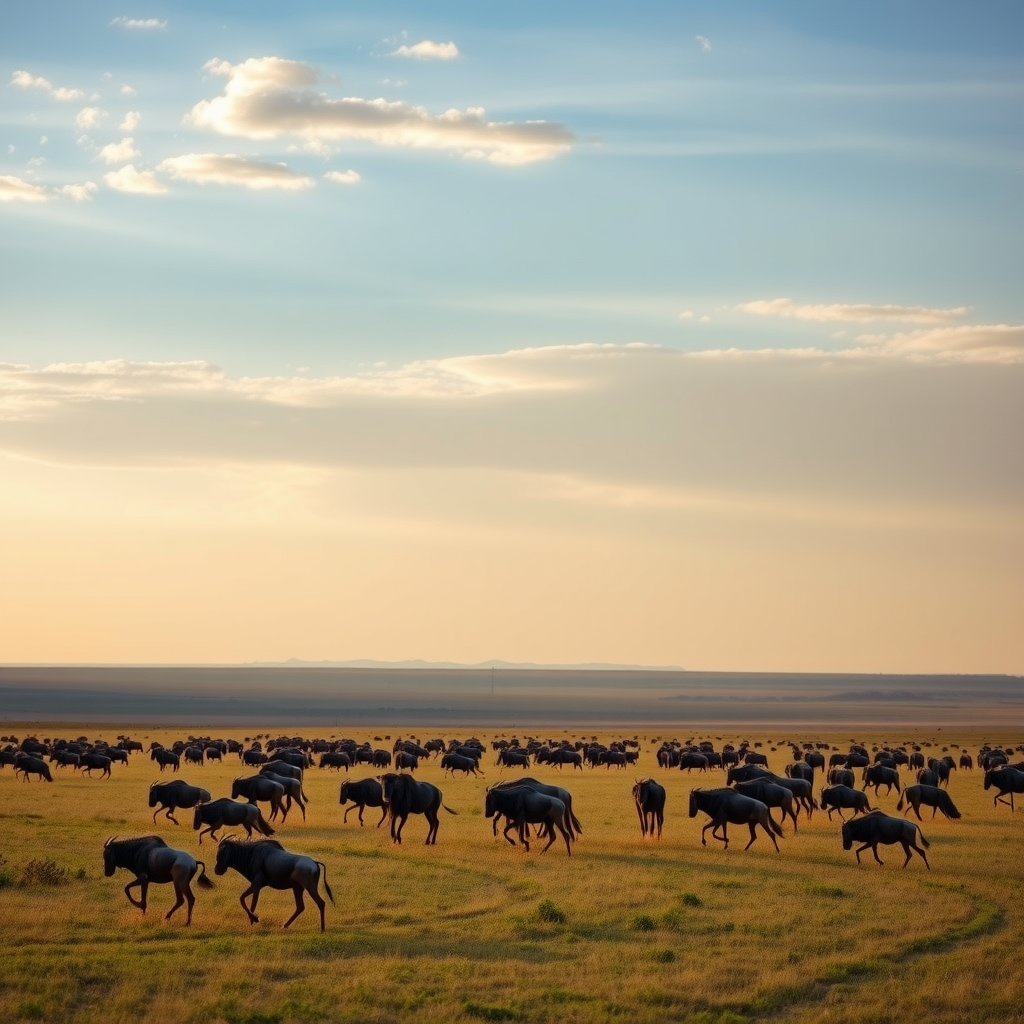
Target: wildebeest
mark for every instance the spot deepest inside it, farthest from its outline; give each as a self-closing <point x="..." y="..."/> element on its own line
<point x="727" y="807"/>
<point x="771" y="795"/>
<point x="218" y="813"/>
<point x="256" y="788"/>
<point x="649" y="797"/>
<point x="1008" y="781"/>
<point x="194" y="755"/>
<point x="513" y="759"/>
<point x="927" y="777"/>
<point x="266" y="863"/>
<point x="336" y="759"/>
<point x="800" y="770"/>
<point x="931" y="796"/>
<point x="169" y="796"/>
<point x="28" y="765"/>
<point x="404" y="796"/>
<point x="841" y="777"/>
<point x="253" y="757"/>
<point x="876" y="827"/>
<point x="966" y="761"/>
<point x="879" y="775"/>
<point x="150" y="859"/>
<point x="381" y="758"/>
<point x="292" y="792"/>
<point x="838" y="798"/>
<point x="523" y="806"/>
<point x="95" y="762"/>
<point x="561" y="757"/>
<point x="404" y="759"/>
<point x="572" y="823"/>
<point x="363" y="793"/>
<point x="459" y="763"/>
<point x="165" y="757"/>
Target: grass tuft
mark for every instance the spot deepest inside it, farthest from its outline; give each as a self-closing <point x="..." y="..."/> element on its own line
<point x="548" y="912"/>
<point x="44" y="872"/>
<point x="484" y="1012"/>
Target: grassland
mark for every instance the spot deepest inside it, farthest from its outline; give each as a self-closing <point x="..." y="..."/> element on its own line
<point x="626" y="929"/>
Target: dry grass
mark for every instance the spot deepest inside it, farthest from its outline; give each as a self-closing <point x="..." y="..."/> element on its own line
<point x="473" y="929"/>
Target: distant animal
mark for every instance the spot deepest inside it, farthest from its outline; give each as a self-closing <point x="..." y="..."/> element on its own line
<point x="966" y="761"/>
<point x="28" y="765"/>
<point x="336" y="759"/>
<point x="403" y="759"/>
<point x="727" y="807"/>
<point x="292" y="792"/>
<point x="265" y="863"/>
<point x="258" y="788"/>
<point x="523" y="806"/>
<point x="252" y="758"/>
<point x="95" y="762"/>
<point x="151" y="860"/>
<point x="841" y="777"/>
<point x="771" y="795"/>
<point x="459" y="763"/>
<point x="571" y="822"/>
<point x="880" y="775"/>
<point x="931" y="796"/>
<point x="404" y="796"/>
<point x="876" y="827"/>
<point x="513" y="759"/>
<point x="381" y="758"/>
<point x="363" y="793"/>
<point x="165" y="758"/>
<point x="840" y="798"/>
<point x="169" y="796"/>
<point x="218" y="813"/>
<point x="1008" y="781"/>
<point x="649" y="798"/>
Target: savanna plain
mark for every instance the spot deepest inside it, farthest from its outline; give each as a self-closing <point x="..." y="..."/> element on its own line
<point x="627" y="928"/>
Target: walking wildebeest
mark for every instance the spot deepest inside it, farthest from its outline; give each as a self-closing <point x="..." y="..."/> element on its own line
<point x="838" y="798"/>
<point x="725" y="807"/>
<point x="459" y="763"/>
<point x="1007" y="781"/>
<point x="256" y="788"/>
<point x="931" y="796"/>
<point x="28" y="765"/>
<point x="266" y="863"/>
<point x="152" y="860"/>
<point x="771" y="795"/>
<point x="95" y="762"/>
<point x="165" y="757"/>
<point x="572" y="823"/>
<point x="293" y="792"/>
<point x="649" y="797"/>
<point x="404" y="796"/>
<point x="523" y="806"/>
<point x="218" y="813"/>
<point x="169" y="796"/>
<point x="879" y="775"/>
<point x="363" y="793"/>
<point x="876" y="827"/>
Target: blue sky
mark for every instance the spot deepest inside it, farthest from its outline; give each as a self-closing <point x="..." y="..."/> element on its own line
<point x="523" y="275"/>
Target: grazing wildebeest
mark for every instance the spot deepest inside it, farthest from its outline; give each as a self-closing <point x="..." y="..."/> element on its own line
<point x="838" y="798"/>
<point x="513" y="759"/>
<point x="649" y="798"/>
<point x="523" y="806"/>
<point x="165" y="757"/>
<point x="150" y="859"/>
<point x="1008" y="781"/>
<point x="28" y="765"/>
<point x="745" y="773"/>
<point x="931" y="796"/>
<point x="253" y="757"/>
<point x="573" y="757"/>
<point x="213" y="754"/>
<point x="169" y="796"/>
<point x="261" y="787"/>
<point x="218" y="813"/>
<point x="459" y="763"/>
<point x="771" y="795"/>
<point x="336" y="759"/>
<point x="95" y="762"/>
<point x="927" y="777"/>
<point x="292" y="792"/>
<point x="194" y="755"/>
<point x="363" y="793"/>
<point x="572" y="823"/>
<point x="876" y="827"/>
<point x="841" y="777"/>
<point x="404" y="796"/>
<point x="725" y="807"/>
<point x="65" y="758"/>
<point x="403" y="759"/>
<point x="381" y="758"/>
<point x="266" y="863"/>
<point x="879" y="775"/>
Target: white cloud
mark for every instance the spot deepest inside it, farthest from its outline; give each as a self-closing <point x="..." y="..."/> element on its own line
<point x="127" y="90"/>
<point x="344" y="177"/>
<point x="218" y="169"/>
<point x="687" y="314"/>
<point x="140" y="23"/>
<point x="267" y="97"/>
<point x="128" y="179"/>
<point x="989" y="343"/>
<point x="79" y="193"/>
<point x="131" y="121"/>
<point x="89" y="117"/>
<point x="26" y="80"/>
<point x="119" y="152"/>
<point x="704" y="43"/>
<point x="851" y="312"/>
<point x="14" y="190"/>
<point x="427" y="49"/>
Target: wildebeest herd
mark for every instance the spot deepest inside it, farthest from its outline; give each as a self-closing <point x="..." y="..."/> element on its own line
<point x="750" y="796"/>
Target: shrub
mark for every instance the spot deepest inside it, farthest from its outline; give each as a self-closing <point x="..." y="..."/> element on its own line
<point x="643" y="923"/>
<point x="44" y="872"/>
<point x="547" y="911"/>
<point x="690" y="899"/>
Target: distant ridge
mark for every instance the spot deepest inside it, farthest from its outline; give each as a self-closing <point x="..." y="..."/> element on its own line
<point x="497" y="663"/>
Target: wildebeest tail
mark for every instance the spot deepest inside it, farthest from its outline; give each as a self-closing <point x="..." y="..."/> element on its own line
<point x="262" y="825"/>
<point x="327" y="888"/>
<point x="448" y="809"/>
<point x="203" y="881"/>
<point x="899" y="806"/>
<point x="924" y="842"/>
<point x="947" y="806"/>
<point x="776" y="827"/>
<point x="576" y="823"/>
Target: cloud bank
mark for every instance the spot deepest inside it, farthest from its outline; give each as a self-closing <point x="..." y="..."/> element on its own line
<point x="427" y="49"/>
<point x="850" y="312"/>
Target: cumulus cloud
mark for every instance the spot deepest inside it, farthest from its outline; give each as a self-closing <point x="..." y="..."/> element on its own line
<point x="89" y="117"/>
<point x="79" y="193"/>
<point x="989" y="343"/>
<point x="127" y="90"/>
<point x="228" y="169"/>
<point x="128" y="179"/>
<point x="704" y="43"/>
<point x="26" y="80"/>
<point x="131" y="121"/>
<point x="851" y="312"/>
<point x="14" y="190"/>
<point x="427" y="49"/>
<point x="139" y="23"/>
<point x="119" y="152"/>
<point x="344" y="177"/>
<point x="269" y="97"/>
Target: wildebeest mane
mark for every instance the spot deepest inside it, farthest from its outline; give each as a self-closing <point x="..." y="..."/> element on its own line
<point x="132" y="853"/>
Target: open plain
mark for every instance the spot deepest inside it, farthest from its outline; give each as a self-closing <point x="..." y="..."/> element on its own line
<point x="627" y="928"/>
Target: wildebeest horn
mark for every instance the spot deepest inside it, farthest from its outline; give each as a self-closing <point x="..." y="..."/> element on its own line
<point x="109" y="841"/>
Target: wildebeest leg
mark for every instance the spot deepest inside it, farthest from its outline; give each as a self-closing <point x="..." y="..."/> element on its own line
<point x="753" y="835"/>
<point x="396" y="834"/>
<point x="283" y="808"/>
<point x="254" y="891"/>
<point x="509" y="825"/>
<point x="300" y="904"/>
<point x="180" y="879"/>
<point x="302" y="807"/>
<point x="432" y="817"/>
<point x="383" y="815"/>
<point x="874" y="850"/>
<point x="208" y="831"/>
<point x="142" y="881"/>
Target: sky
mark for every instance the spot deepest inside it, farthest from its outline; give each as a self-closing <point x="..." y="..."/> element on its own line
<point x="677" y="333"/>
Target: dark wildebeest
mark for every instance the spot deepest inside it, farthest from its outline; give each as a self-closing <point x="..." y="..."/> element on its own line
<point x="879" y="775"/>
<point x="915" y="760"/>
<point x="725" y="807"/>
<point x="261" y="787"/>
<point x="771" y="795"/>
<point x="649" y="797"/>
<point x="876" y="827"/>
<point x="690" y="759"/>
<point x="336" y="759"/>
<point x="363" y="793"/>
<point x="838" y="798"/>
<point x="266" y="863"/>
<point x="403" y="759"/>
<point x="95" y="762"/>
<point x="165" y="757"/>
<point x="523" y="806"/>
<point x="572" y="823"/>
<point x="573" y="757"/>
<point x="1008" y="781"/>
<point x="194" y="755"/>
<point x="841" y="777"/>
<point x="513" y="759"/>
<point x="292" y="792"/>
<point x="459" y="763"/>
<point x="815" y="758"/>
<point x="218" y="813"/>
<point x="213" y="754"/>
<point x="931" y="796"/>
<point x="253" y="757"/>
<point x="745" y="773"/>
<point x="404" y="796"/>
<point x="800" y="770"/>
<point x="381" y="758"/>
<point x="169" y="796"/>
<point x="64" y="758"/>
<point x="152" y="860"/>
<point x="966" y="761"/>
<point x="283" y="768"/>
<point x="927" y="777"/>
<point x="28" y="765"/>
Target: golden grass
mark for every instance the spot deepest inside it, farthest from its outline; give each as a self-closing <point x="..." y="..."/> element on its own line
<point x="635" y="929"/>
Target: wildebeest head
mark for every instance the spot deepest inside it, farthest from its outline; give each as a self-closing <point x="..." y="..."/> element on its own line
<point x="223" y="856"/>
<point x="153" y="794"/>
<point x="693" y="803"/>
<point x="343" y="794"/>
<point x="109" y="867"/>
<point x="489" y="807"/>
<point x="847" y="836"/>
